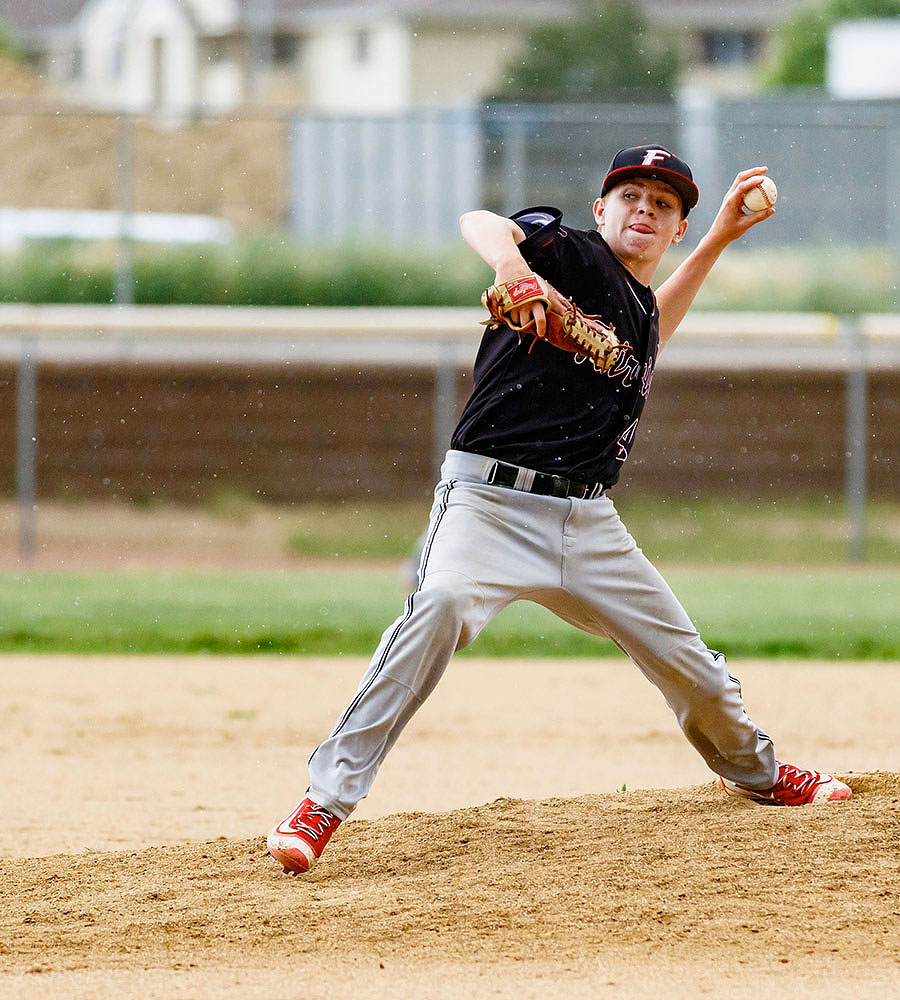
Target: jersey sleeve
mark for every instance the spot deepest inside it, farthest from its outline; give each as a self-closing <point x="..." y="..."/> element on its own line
<point x="540" y="221"/>
<point x="541" y="247"/>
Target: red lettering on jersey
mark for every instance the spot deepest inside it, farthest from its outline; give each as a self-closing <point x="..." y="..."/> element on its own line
<point x="625" y="439"/>
<point x="626" y="368"/>
<point x="647" y="379"/>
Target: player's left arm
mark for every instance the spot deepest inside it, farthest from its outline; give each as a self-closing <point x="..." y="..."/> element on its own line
<point x="675" y="295"/>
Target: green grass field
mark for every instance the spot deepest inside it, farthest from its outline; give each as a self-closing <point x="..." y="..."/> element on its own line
<point x="746" y="611"/>
<point x="765" y="580"/>
<point x="709" y="531"/>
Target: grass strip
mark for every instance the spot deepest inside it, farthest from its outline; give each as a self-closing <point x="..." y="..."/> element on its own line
<point x="816" y="612"/>
<point x="711" y="530"/>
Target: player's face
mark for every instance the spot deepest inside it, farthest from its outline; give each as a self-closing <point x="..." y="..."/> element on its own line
<point x="640" y="219"/>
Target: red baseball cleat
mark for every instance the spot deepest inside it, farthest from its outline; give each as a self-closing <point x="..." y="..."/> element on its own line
<point x="299" y="839"/>
<point x="794" y="787"/>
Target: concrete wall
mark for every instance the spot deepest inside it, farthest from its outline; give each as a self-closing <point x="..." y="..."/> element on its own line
<point x="296" y="433"/>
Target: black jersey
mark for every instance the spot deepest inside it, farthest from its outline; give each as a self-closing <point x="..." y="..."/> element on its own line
<point x="553" y="411"/>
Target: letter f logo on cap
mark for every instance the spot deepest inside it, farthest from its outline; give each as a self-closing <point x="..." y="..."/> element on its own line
<point x="652" y="156"/>
<point x="653" y="161"/>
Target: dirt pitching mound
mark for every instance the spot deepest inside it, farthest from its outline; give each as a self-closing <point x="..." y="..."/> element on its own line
<point x="620" y="891"/>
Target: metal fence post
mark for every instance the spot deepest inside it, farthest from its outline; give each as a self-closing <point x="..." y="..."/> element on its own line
<point x="515" y="163"/>
<point x="856" y="434"/>
<point x="124" y="290"/>
<point x="444" y="405"/>
<point x="699" y="145"/>
<point x="26" y="446"/>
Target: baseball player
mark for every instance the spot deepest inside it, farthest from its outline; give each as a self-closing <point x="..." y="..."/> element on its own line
<point x="522" y="510"/>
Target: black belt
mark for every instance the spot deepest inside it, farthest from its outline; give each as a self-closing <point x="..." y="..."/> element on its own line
<point x="515" y="478"/>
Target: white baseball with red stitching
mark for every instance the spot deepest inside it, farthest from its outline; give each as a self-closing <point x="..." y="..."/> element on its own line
<point x="761" y="197"/>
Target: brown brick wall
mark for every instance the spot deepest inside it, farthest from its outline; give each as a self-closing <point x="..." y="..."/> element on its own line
<point x="294" y="433"/>
<point x="760" y="434"/>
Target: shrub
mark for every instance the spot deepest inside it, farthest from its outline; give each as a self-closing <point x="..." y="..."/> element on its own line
<point x="265" y="272"/>
<point x="273" y="271"/>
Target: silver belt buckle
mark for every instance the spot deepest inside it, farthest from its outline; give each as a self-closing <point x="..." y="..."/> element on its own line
<point x="560" y="486"/>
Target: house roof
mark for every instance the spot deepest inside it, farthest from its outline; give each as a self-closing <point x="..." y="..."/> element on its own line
<point x="458" y="8"/>
<point x="35" y="17"/>
<point x="27" y="16"/>
<point x="674" y="15"/>
<point x="715" y="14"/>
<point x="668" y="13"/>
<point x="299" y="12"/>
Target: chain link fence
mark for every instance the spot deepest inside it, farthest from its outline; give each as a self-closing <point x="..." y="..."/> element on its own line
<point x="405" y="178"/>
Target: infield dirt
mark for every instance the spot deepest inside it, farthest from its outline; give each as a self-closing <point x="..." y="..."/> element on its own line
<point x="542" y="827"/>
<point x="138" y="792"/>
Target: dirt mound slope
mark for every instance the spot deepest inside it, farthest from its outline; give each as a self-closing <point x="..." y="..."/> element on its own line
<point x="686" y="876"/>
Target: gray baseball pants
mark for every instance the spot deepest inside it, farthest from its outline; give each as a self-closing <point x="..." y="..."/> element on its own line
<point x="488" y="546"/>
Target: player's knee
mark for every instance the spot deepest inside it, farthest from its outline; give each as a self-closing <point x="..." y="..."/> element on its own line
<point x="450" y="595"/>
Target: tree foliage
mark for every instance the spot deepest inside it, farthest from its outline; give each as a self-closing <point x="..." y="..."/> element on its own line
<point x="9" y="47"/>
<point x="605" y="51"/>
<point x="802" y="43"/>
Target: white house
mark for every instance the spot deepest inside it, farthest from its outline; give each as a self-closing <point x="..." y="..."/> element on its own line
<point x="863" y="59"/>
<point x="147" y="55"/>
<point x="179" y="57"/>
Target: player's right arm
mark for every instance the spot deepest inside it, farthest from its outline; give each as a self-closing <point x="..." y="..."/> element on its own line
<point x="496" y="240"/>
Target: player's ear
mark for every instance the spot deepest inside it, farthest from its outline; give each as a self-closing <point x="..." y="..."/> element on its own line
<point x="598" y="211"/>
<point x="680" y="231"/>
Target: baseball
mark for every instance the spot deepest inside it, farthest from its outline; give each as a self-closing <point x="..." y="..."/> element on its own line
<point x="761" y="197"/>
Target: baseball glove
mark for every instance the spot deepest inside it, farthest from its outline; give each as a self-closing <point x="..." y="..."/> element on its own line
<point x="567" y="328"/>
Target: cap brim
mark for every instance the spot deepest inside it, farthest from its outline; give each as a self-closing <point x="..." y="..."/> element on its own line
<point x="687" y="190"/>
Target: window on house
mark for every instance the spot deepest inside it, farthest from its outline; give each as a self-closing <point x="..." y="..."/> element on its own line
<point x="159" y="71"/>
<point x="362" y="45"/>
<point x="730" y="47"/>
<point x="285" y="48"/>
<point x="215" y="49"/>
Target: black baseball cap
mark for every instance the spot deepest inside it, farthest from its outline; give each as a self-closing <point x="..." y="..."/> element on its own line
<point x="653" y="161"/>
